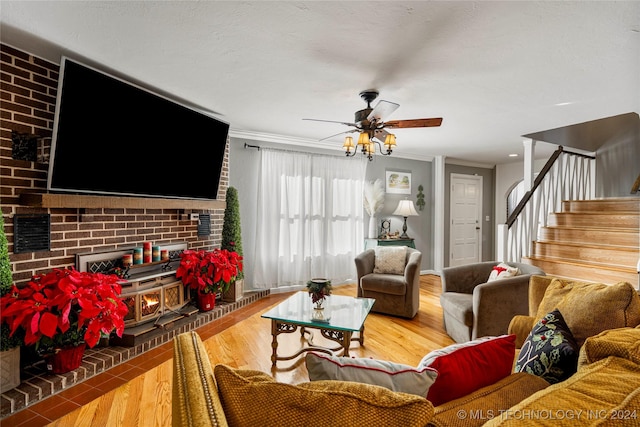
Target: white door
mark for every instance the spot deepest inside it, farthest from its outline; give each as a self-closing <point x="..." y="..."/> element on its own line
<point x="465" y="211"/>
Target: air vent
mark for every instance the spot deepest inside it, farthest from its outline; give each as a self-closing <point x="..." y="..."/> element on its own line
<point x="204" y="225"/>
<point x="32" y="233"/>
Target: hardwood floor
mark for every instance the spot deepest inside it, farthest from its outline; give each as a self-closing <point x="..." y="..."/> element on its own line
<point x="241" y="339"/>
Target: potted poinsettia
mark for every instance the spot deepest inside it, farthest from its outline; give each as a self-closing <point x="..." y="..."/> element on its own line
<point x="208" y="273"/>
<point x="63" y="311"/>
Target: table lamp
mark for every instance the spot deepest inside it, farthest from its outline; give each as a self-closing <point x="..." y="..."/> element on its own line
<point x="405" y="208"/>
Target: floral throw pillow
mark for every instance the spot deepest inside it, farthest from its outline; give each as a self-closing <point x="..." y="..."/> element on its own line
<point x="550" y="351"/>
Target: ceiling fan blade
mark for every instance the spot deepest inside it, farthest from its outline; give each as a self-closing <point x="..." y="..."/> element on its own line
<point x="414" y="123"/>
<point x="382" y="110"/>
<point x="341" y="133"/>
<point x="331" y="121"/>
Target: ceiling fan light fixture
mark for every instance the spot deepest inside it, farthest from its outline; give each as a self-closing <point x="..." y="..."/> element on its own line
<point x="390" y="141"/>
<point x="348" y="144"/>
<point x="364" y="140"/>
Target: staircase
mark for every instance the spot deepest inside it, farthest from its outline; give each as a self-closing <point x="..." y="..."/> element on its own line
<point x="591" y="240"/>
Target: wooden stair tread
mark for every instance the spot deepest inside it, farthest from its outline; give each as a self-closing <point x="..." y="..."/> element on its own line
<point x="625" y="248"/>
<point x="612" y="267"/>
<point x="581" y="228"/>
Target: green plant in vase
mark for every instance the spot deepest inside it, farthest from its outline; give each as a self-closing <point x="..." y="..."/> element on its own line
<point x="9" y="345"/>
<point x="319" y="289"/>
<point x="232" y="241"/>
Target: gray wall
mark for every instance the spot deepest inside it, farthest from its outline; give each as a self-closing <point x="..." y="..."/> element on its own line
<point x="618" y="163"/>
<point x="488" y="206"/>
<point x="244" y="165"/>
<point x="419" y="227"/>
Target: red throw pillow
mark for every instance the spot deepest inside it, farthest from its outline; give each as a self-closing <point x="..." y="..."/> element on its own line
<point x="466" y="367"/>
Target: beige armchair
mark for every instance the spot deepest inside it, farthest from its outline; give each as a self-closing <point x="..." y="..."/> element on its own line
<point x="473" y="308"/>
<point x="398" y="295"/>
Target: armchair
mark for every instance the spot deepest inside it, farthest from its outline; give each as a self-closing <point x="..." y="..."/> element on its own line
<point x="395" y="294"/>
<point x="473" y="308"/>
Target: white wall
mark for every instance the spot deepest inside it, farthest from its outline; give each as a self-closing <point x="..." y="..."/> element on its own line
<point x="507" y="175"/>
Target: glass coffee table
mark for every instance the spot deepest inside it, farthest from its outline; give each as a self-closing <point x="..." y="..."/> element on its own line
<point x="342" y="317"/>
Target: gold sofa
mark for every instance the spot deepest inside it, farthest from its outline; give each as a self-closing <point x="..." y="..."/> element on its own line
<point x="605" y="390"/>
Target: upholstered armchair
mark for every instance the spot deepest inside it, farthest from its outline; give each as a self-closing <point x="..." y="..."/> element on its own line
<point x="397" y="293"/>
<point x="473" y="308"/>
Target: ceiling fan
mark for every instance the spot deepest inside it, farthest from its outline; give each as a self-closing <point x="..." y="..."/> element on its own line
<point x="370" y="123"/>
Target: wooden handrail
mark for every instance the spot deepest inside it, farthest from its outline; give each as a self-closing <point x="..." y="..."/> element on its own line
<point x="536" y="183"/>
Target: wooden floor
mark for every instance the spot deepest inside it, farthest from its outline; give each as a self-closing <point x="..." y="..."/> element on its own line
<point x="241" y="339"/>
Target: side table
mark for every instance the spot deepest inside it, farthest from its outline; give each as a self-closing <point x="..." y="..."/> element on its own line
<point x="371" y="243"/>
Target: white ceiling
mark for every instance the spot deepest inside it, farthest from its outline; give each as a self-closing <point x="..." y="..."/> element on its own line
<point x="493" y="70"/>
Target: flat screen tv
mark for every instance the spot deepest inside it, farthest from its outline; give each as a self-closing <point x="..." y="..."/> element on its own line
<point x="115" y="138"/>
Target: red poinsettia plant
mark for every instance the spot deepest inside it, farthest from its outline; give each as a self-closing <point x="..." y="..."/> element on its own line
<point x="65" y="308"/>
<point x="209" y="271"/>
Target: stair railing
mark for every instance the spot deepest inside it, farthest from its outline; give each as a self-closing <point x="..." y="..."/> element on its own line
<point x="565" y="176"/>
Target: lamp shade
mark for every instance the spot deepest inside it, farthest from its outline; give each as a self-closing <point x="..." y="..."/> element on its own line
<point x="348" y="144"/>
<point x="405" y="208"/>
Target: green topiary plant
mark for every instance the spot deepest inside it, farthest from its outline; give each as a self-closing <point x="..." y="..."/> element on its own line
<point x="6" y="280"/>
<point x="231" y="230"/>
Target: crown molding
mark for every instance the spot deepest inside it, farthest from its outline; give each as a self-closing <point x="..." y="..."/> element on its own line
<point x="310" y="143"/>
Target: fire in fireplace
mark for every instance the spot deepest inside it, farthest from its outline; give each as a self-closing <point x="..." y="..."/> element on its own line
<point x="150" y="299"/>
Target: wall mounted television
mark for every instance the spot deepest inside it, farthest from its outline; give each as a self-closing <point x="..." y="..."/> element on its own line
<point x="112" y="137"/>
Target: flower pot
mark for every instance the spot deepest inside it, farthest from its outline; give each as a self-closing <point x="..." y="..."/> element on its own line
<point x="235" y="291"/>
<point x="65" y="360"/>
<point x="9" y="369"/>
<point x="206" y="302"/>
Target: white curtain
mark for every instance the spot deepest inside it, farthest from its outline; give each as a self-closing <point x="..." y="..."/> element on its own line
<point x="310" y="218"/>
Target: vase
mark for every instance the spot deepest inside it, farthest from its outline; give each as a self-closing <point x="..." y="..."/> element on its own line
<point x="321" y="311"/>
<point x="9" y="369"/>
<point x="206" y="302"/>
<point x="373" y="232"/>
<point x="235" y="291"/>
<point x="65" y="359"/>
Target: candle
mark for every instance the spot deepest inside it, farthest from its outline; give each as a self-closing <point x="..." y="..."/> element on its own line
<point x="137" y="255"/>
<point x="155" y="253"/>
<point x="147" y="256"/>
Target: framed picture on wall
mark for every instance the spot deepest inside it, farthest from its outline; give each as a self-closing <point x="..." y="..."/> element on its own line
<point x="398" y="182"/>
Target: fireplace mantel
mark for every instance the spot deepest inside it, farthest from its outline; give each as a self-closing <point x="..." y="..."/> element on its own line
<point x="54" y="200"/>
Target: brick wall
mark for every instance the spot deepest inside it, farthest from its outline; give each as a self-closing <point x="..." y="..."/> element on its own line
<point x="27" y="104"/>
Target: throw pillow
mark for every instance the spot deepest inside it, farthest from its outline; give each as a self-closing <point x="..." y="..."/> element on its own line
<point x="502" y="271"/>
<point x="621" y="342"/>
<point x="590" y="308"/>
<point x="253" y="398"/>
<point x="390" y="259"/>
<point x="465" y="367"/>
<point x="394" y="376"/>
<point x="550" y="351"/>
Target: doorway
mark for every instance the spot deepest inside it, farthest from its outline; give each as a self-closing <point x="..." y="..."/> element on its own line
<point x="466" y="223"/>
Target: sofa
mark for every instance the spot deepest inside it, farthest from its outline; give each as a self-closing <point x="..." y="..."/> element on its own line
<point x="604" y="390"/>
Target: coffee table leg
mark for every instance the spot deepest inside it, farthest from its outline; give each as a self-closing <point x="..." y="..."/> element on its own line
<point x="361" y="336"/>
<point x="274" y="342"/>
<point x="346" y="342"/>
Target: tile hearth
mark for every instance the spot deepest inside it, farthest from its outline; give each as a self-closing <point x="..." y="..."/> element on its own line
<point x="37" y="384"/>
